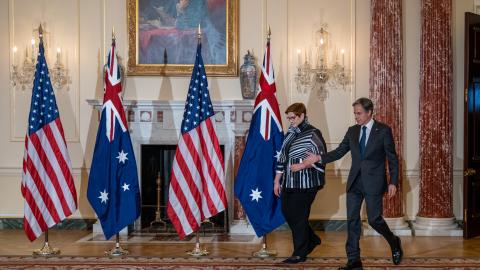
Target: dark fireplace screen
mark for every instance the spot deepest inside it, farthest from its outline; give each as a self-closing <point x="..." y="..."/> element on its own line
<point x="156" y="162"/>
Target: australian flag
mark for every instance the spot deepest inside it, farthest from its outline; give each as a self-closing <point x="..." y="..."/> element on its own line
<point x="113" y="183"/>
<point x="254" y="181"/>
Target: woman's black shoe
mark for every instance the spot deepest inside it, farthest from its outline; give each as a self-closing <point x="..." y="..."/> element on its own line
<point x="294" y="259"/>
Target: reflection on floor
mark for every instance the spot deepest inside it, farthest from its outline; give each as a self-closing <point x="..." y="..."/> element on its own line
<point x="80" y="243"/>
<point x="158" y="238"/>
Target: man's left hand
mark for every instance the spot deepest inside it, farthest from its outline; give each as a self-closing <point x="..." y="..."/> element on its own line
<point x="312" y="158"/>
<point x="392" y="190"/>
<point x="297" y="167"/>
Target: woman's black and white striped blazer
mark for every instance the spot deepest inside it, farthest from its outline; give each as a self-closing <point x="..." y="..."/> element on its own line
<point x="298" y="141"/>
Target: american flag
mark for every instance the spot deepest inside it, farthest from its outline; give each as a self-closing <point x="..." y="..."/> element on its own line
<point x="197" y="185"/>
<point x="47" y="182"/>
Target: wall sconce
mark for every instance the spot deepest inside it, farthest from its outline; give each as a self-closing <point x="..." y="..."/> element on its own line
<point x="22" y="76"/>
<point x="321" y="76"/>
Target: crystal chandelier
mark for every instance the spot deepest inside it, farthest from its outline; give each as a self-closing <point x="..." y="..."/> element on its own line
<point x="320" y="77"/>
<point x="22" y="76"/>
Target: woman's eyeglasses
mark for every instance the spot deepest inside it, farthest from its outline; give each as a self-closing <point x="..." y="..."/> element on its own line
<point x="291" y="118"/>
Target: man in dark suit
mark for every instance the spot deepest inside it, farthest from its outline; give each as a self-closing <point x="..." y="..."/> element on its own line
<point x="370" y="143"/>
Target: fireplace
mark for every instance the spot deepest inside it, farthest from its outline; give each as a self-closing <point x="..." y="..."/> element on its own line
<point x="155" y="128"/>
<point x="155" y="171"/>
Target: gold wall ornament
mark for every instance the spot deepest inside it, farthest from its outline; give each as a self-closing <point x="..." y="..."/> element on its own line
<point x="162" y="37"/>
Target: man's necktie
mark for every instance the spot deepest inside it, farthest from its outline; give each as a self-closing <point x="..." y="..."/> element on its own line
<point x="363" y="138"/>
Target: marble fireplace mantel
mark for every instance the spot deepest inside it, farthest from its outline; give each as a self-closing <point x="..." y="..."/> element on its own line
<point x="158" y="122"/>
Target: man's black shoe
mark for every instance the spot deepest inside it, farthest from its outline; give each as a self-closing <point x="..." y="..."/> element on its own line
<point x="397" y="252"/>
<point x="352" y="265"/>
<point x="294" y="259"/>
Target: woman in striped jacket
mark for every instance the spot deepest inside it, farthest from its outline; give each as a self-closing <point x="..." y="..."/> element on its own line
<point x="299" y="186"/>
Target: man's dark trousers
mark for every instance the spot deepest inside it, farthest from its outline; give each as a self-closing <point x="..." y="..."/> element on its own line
<point x="355" y="196"/>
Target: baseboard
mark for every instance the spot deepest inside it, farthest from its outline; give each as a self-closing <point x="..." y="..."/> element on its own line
<point x="67" y="224"/>
<point x="322" y="225"/>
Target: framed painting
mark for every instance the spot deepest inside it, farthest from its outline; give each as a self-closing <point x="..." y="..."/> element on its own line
<point x="163" y="36"/>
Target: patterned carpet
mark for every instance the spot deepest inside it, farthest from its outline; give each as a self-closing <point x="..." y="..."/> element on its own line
<point x="210" y="263"/>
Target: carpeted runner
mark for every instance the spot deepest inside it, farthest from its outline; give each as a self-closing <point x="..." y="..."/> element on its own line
<point x="212" y="263"/>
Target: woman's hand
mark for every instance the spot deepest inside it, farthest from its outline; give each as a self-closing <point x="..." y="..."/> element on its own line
<point x="276" y="184"/>
<point x="307" y="163"/>
<point x="297" y="167"/>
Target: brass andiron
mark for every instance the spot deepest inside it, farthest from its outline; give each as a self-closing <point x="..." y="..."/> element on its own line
<point x="209" y="222"/>
<point x="46" y="250"/>
<point x="158" y="222"/>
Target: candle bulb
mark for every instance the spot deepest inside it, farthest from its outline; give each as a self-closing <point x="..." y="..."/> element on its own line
<point x="311" y="54"/>
<point x="343" y="57"/>
<point x="33" y="50"/>
<point x="299" y="57"/>
<point x="13" y="55"/>
<point x="58" y="55"/>
<point x="321" y="51"/>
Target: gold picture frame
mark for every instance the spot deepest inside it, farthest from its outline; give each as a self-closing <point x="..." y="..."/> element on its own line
<point x="162" y="38"/>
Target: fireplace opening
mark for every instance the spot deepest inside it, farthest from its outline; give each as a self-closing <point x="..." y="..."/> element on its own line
<point x="156" y="162"/>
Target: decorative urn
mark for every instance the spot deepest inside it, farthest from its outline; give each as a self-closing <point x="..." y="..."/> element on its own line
<point x="248" y="77"/>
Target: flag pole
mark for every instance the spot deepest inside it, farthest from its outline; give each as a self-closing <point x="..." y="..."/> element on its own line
<point x="46" y="250"/>
<point x="264" y="252"/>
<point x="197" y="251"/>
<point x="117" y="251"/>
<point x="123" y="78"/>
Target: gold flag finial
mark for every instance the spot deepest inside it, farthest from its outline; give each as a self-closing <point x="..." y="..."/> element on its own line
<point x="269" y="32"/>
<point x="199" y="33"/>
<point x="40" y="32"/>
<point x="113" y="33"/>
